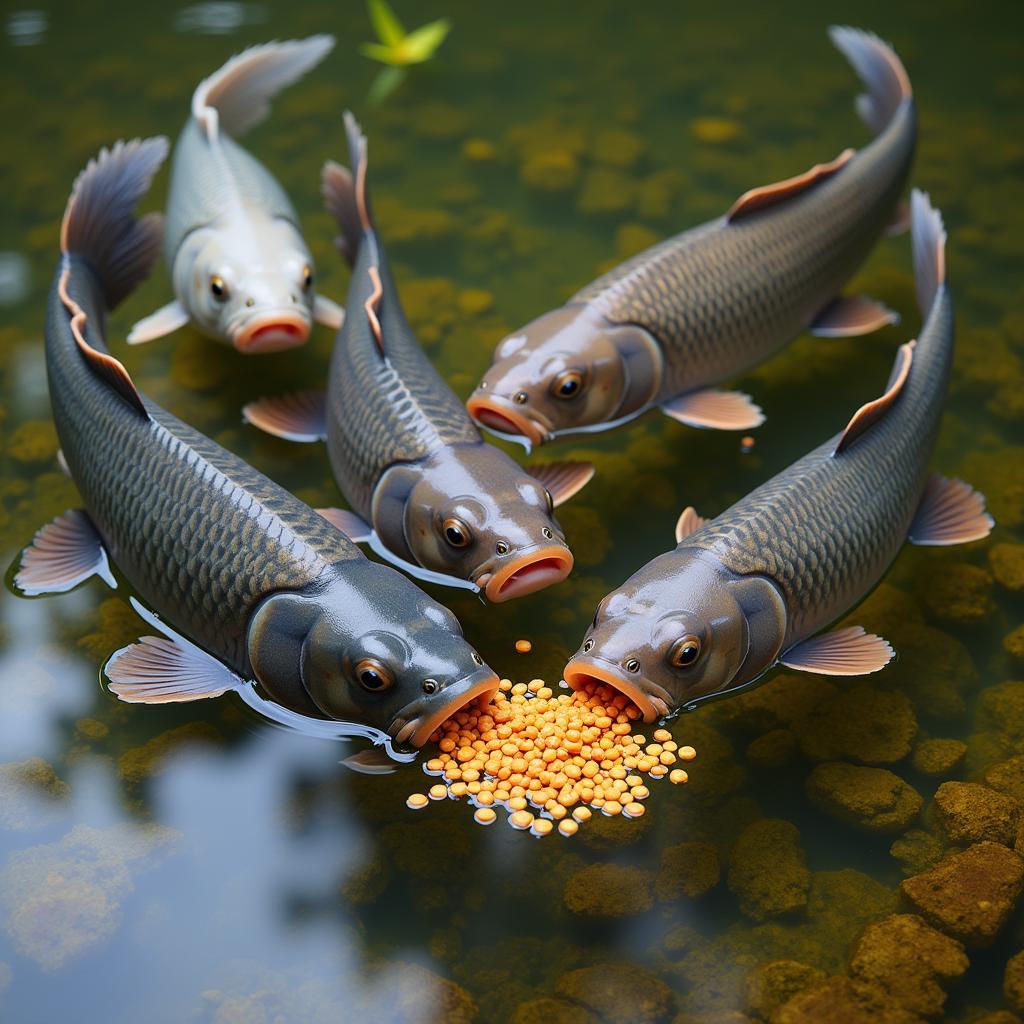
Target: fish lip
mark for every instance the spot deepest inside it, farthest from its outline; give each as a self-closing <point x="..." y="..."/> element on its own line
<point x="497" y="414"/>
<point x="527" y="573"/>
<point x="416" y="731"/>
<point x="271" y="332"/>
<point x="651" y="699"/>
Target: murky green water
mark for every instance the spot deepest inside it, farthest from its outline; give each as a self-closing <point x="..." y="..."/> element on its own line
<point x="195" y="863"/>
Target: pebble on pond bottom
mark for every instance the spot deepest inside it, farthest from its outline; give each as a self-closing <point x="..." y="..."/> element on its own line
<point x="549" y="759"/>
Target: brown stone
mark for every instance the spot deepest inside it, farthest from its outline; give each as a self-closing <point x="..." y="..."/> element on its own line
<point x="969" y="813"/>
<point x="864" y="724"/>
<point x="1007" y="777"/>
<point x="768" y="871"/>
<point x="773" y="984"/>
<point x="618" y="993"/>
<point x="609" y="890"/>
<point x="844" y="1001"/>
<point x="1013" y="982"/>
<point x="551" y="1011"/>
<point x="688" y="870"/>
<point x="873" y="799"/>
<point x="938" y="757"/>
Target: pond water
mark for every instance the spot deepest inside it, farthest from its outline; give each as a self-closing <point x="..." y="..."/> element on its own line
<point x="195" y="863"/>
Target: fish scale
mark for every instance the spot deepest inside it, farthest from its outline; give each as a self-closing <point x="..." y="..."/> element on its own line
<point x="169" y="503"/>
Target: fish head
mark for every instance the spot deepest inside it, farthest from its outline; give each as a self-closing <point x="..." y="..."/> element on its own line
<point x="476" y="514"/>
<point x="252" y="288"/>
<point x="569" y="370"/>
<point x="684" y="627"/>
<point x="370" y="647"/>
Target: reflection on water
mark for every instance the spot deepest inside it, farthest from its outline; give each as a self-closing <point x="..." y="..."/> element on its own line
<point x="197" y="862"/>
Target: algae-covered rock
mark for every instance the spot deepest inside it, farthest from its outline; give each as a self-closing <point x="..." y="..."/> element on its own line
<point x="969" y="895"/>
<point x="959" y="594"/>
<point x="618" y="993"/>
<point x="631" y="239"/>
<point x="774" y="749"/>
<point x="910" y="961"/>
<point x="617" y="148"/>
<point x="768" y="871"/>
<point x="771" y="985"/>
<point x="605" y="190"/>
<point x="140" y="763"/>
<point x="1013" y="644"/>
<point x="366" y="883"/>
<point x="64" y="898"/>
<point x="1007" y="564"/>
<point x="938" y="757"/>
<point x="479" y="151"/>
<point x="1007" y="777"/>
<point x="687" y="870"/>
<point x="999" y="715"/>
<point x="552" y="171"/>
<point x="425" y="849"/>
<point x="609" y="890"/>
<point x="413" y="993"/>
<point x="916" y="851"/>
<point x="31" y="794"/>
<point x="841" y="903"/>
<point x="844" y="1001"/>
<point x="969" y="813"/>
<point x="872" y="799"/>
<point x="934" y="669"/>
<point x="1013" y="982"/>
<point x="999" y="475"/>
<point x="551" y="1011"/>
<point x="34" y="441"/>
<point x="715" y="130"/>
<point x="862" y="724"/>
<point x="779" y="703"/>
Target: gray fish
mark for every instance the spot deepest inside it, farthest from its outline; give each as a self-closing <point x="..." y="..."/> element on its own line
<point x="668" y="325"/>
<point x="427" y="492"/>
<point x="240" y="268"/>
<point x="259" y="585"/>
<point x="751" y="588"/>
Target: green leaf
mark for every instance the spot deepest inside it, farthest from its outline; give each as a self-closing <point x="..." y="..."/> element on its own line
<point x="421" y="45"/>
<point x="385" y="21"/>
<point x="386" y="82"/>
<point x="385" y="54"/>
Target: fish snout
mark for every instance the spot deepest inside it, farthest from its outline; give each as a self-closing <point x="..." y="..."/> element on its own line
<point x="526" y="572"/>
<point x="507" y="417"/>
<point x="415" y="723"/>
<point x="653" y="700"/>
<point x="272" y="332"/>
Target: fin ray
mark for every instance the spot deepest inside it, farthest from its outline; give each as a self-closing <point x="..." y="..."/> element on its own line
<point x="852" y="316"/>
<point x="65" y="552"/>
<point x="844" y="652"/>
<point x="951" y="512"/>
<point x="881" y="71"/>
<point x="563" y="480"/>
<point x="297" y="416"/>
<point x="357" y="529"/>
<point x="688" y="522"/>
<point x="715" y="410"/>
<point x="928" y="237"/>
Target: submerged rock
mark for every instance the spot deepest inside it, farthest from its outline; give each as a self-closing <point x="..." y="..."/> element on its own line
<point x="959" y="594"/>
<point x="969" y="813"/>
<point x="784" y="700"/>
<point x="605" y="190"/>
<point x="31" y="794"/>
<point x="863" y="724"/>
<point x="771" y="985"/>
<point x="140" y="763"/>
<point x="1013" y="643"/>
<point x="688" y="870"/>
<point x="553" y="171"/>
<point x="768" y="871"/>
<point x="916" y="851"/>
<point x="413" y="993"/>
<point x="551" y="1011"/>
<point x="1013" y="982"/>
<point x="34" y="441"/>
<point x="609" y="890"/>
<point x="715" y="130"/>
<point x="872" y="799"/>
<point x="618" y="993"/>
<point x="969" y="895"/>
<point x="774" y="749"/>
<point x="1007" y="777"/>
<point x="844" y="1001"/>
<point x="938" y="757"/>
<point x="910" y="961"/>
<point x="1007" y="564"/>
<point x="1000" y="716"/>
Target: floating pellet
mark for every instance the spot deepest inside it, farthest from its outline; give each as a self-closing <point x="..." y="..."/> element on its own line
<point x="484" y="816"/>
<point x="568" y="827"/>
<point x="662" y="735"/>
<point x="687" y="753"/>
<point x="417" y="801"/>
<point x="523" y="647"/>
<point x="438" y="792"/>
<point x="634" y="810"/>
<point x="542" y="826"/>
<point x="677" y="776"/>
<point x="521" y="819"/>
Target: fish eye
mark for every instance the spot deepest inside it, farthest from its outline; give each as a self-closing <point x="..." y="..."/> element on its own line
<point x="568" y="384"/>
<point x="685" y="652"/>
<point x="501" y="547"/>
<point x="477" y="660"/>
<point x="588" y="644"/>
<point x="218" y="288"/>
<point x="632" y="665"/>
<point x="373" y="676"/>
<point x="456" y="532"/>
<point x="431" y="686"/>
<point x="307" y="277"/>
<point x="520" y="398"/>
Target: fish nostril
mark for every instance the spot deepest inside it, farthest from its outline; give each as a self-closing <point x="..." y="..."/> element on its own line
<point x="520" y="398"/>
<point x="431" y="686"/>
<point x="632" y="665"/>
<point x="547" y="533"/>
<point x="250" y="302"/>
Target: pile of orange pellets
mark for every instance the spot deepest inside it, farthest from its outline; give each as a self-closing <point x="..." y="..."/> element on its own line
<point x="549" y="761"/>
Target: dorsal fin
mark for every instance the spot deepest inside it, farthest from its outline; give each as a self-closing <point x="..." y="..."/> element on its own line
<point x="871" y="412"/>
<point x="770" y="195"/>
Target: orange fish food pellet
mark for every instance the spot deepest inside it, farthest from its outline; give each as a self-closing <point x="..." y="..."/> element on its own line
<point x="523" y="646"/>
<point x="549" y="758"/>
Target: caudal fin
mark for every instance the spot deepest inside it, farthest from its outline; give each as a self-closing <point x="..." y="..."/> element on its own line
<point x="929" y="241"/>
<point x="238" y="96"/>
<point x="345" y="192"/>
<point x="879" y="69"/>
<point x="99" y="223"/>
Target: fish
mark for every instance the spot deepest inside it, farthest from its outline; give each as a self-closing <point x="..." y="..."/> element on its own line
<point x="425" y="490"/>
<point x="755" y="586"/>
<point x="245" y="584"/>
<point x="241" y="271"/>
<point x="666" y="327"/>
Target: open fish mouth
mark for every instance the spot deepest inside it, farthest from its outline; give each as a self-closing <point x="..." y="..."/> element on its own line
<point x="505" y="419"/>
<point x="651" y="699"/>
<point x="416" y="731"/>
<point x="273" y="332"/>
<point x="527" y="574"/>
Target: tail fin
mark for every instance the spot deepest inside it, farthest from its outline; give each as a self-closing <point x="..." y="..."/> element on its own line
<point x="345" y="192"/>
<point x="238" y="96"/>
<point x="929" y="240"/>
<point x="99" y="224"/>
<point x="879" y="69"/>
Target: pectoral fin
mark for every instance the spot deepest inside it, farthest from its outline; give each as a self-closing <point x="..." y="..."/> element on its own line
<point x="845" y="652"/>
<point x="165" y="320"/>
<point x="297" y="416"/>
<point x="166" y="669"/>
<point x="851" y="316"/>
<point x="715" y="410"/>
<point x="951" y="512"/>
<point x="563" y="479"/>
<point x="687" y="522"/>
<point x="354" y="527"/>
<point x="327" y="312"/>
<point x="63" y="554"/>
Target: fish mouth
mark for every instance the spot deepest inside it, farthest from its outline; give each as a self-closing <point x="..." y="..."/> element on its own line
<point x="650" y="698"/>
<point x="527" y="574"/>
<point x="273" y="332"/>
<point x="416" y="731"/>
<point x="495" y="414"/>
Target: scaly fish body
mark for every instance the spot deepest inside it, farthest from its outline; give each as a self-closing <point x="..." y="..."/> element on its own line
<point x="751" y="587"/>
<point x="686" y="314"/>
